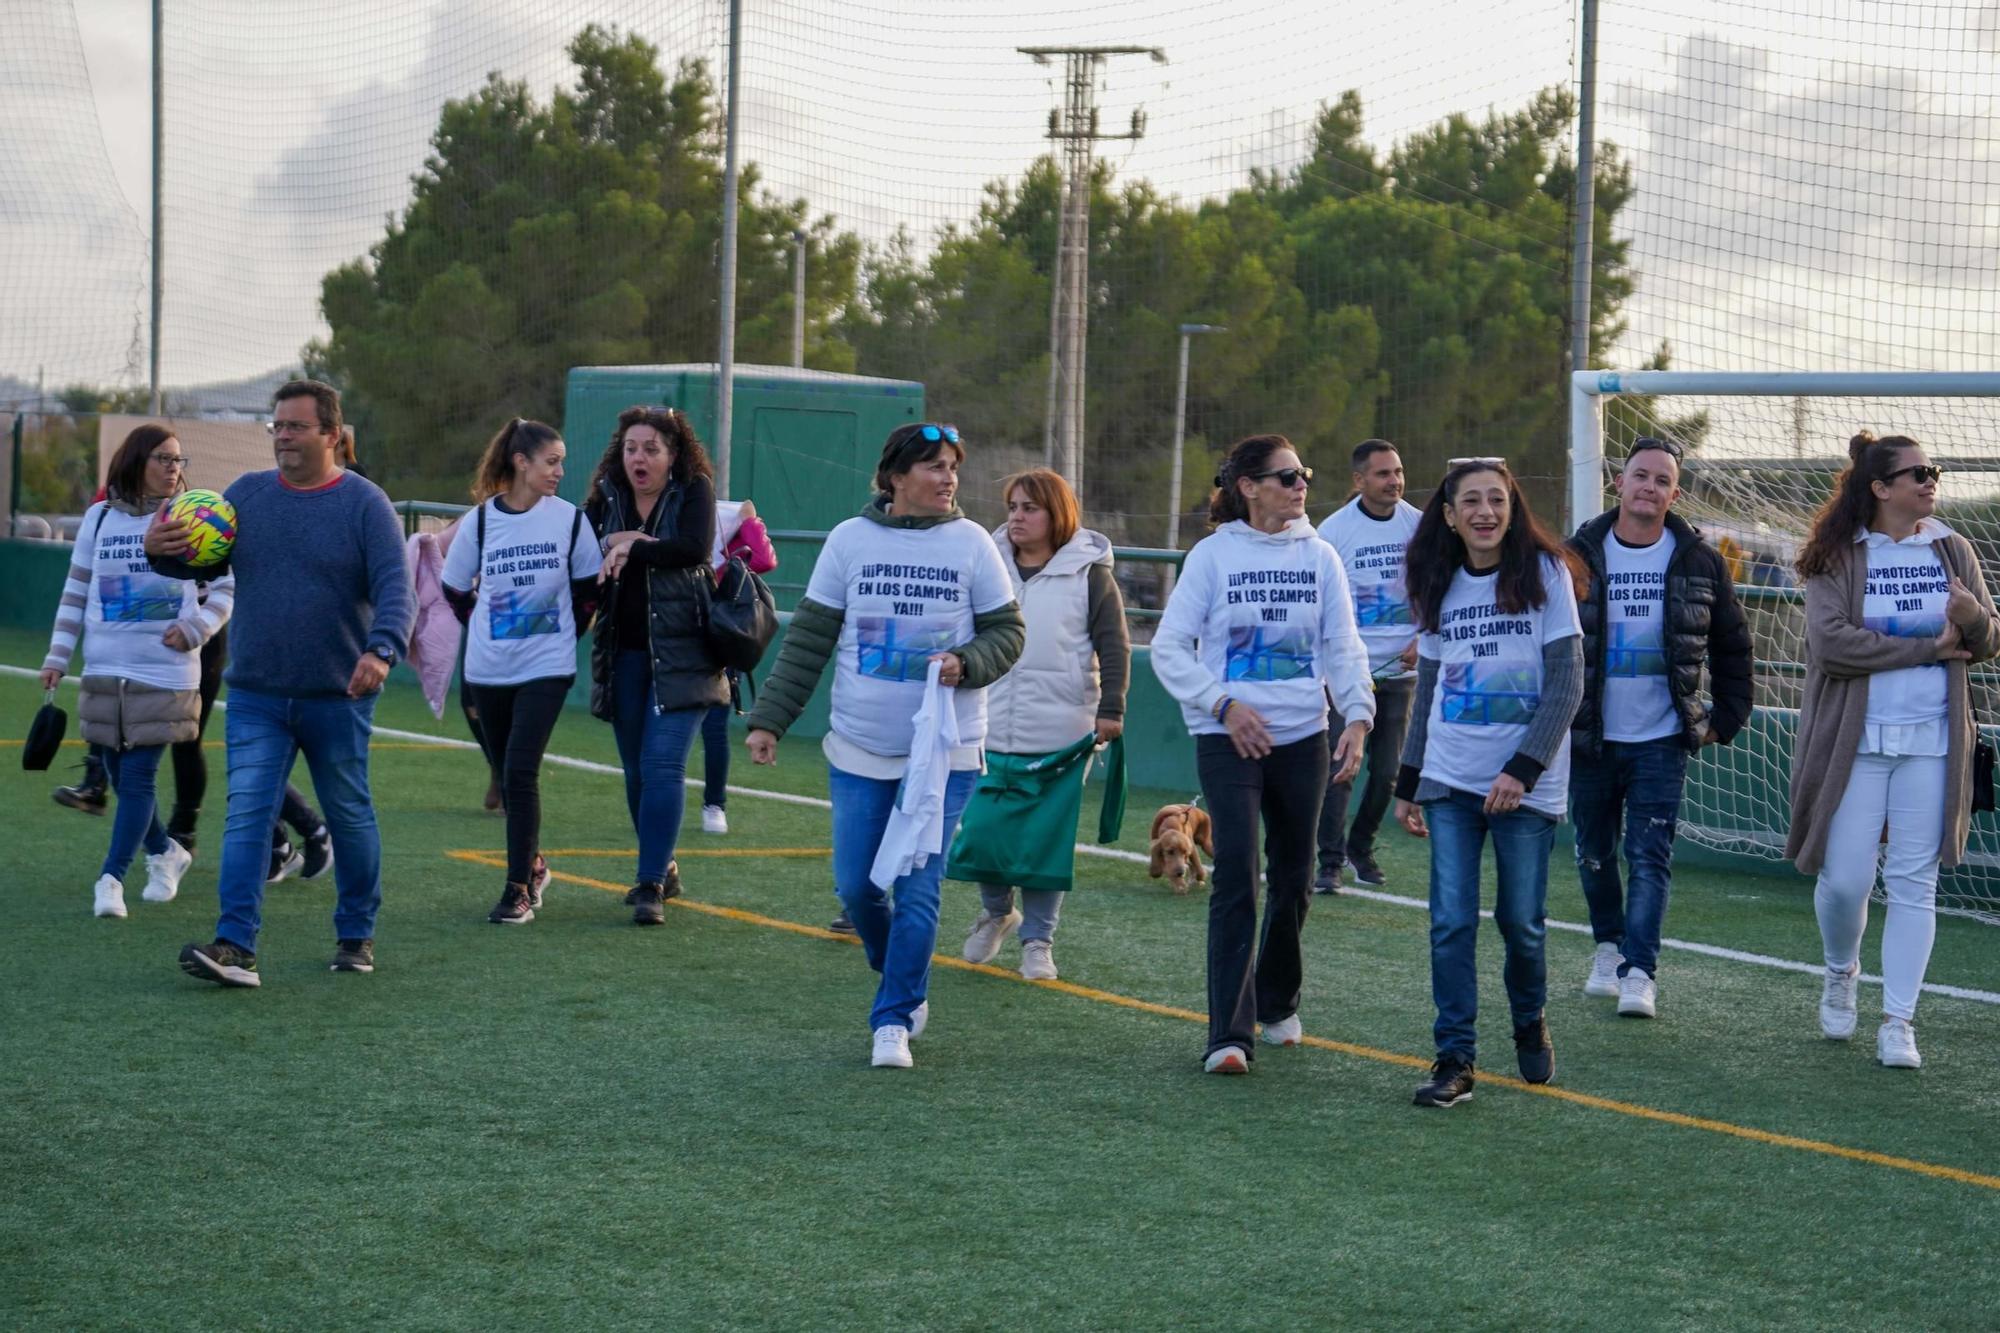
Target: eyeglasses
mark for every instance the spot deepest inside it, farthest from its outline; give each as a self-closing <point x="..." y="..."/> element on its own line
<point x="172" y="461"/>
<point x="1667" y="447"/>
<point x="276" y="428"/>
<point x="1287" y="477"/>
<point x="930" y="434"/>
<point x="1483" y="462"/>
<point x="1923" y="473"/>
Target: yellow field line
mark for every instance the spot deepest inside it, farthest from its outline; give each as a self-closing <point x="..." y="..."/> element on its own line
<point x="686" y="851"/>
<point x="1633" y="1109"/>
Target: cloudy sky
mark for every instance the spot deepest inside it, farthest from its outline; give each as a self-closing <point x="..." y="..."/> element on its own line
<point x="1816" y="186"/>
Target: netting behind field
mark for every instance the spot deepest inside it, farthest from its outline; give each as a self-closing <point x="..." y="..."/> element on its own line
<point x="1760" y="471"/>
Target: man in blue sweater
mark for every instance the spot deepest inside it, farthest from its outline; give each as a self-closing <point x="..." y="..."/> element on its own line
<point x="323" y="610"/>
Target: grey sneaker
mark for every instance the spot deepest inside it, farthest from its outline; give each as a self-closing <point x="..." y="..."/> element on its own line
<point x="1896" y="1045"/>
<point x="988" y="933"/>
<point x="1836" y="1003"/>
<point x="1366" y="871"/>
<point x="1637" y="995"/>
<point x="353" y="956"/>
<point x="222" y="963"/>
<point x="1603" y="979"/>
<point x="1327" y="881"/>
<point x="1038" y="961"/>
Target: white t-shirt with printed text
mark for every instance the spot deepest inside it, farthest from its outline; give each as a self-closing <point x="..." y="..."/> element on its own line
<point x="1637" y="704"/>
<point x="524" y="626"/>
<point x="1489" y="684"/>
<point x="1371" y="551"/>
<point x="904" y="594"/>
<point x="1904" y="598"/>
<point x="129" y="607"/>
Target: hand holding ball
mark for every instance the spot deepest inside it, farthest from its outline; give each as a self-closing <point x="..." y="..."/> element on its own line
<point x="211" y="526"/>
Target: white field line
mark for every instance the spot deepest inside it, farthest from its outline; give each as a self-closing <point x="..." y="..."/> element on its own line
<point x="1118" y="854"/>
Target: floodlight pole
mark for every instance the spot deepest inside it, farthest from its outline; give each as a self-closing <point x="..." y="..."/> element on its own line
<point x="725" y="377"/>
<point x="1582" y="247"/>
<point x="799" y="300"/>
<point x="159" y="85"/>
<point x="1180" y="434"/>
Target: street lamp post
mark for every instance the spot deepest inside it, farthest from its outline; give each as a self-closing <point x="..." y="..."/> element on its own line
<point x="1180" y="434"/>
<point x="799" y="299"/>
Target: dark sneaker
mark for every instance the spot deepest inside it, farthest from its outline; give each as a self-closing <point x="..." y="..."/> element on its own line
<point x="648" y="904"/>
<point x="285" y="861"/>
<point x="842" y="924"/>
<point x="353" y="956"/>
<point x="82" y="797"/>
<point x="1449" y="1084"/>
<point x="1327" y="881"/>
<point x="515" y="907"/>
<point x="222" y="963"/>
<point x="316" y="857"/>
<point x="672" y="888"/>
<point x="1534" y="1052"/>
<point x="538" y="881"/>
<point x="1365" y="869"/>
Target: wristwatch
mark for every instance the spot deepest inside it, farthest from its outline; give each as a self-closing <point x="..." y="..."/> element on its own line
<point x="388" y="655"/>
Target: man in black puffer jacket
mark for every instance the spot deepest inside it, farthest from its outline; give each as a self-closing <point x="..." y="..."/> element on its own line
<point x="1661" y="604"/>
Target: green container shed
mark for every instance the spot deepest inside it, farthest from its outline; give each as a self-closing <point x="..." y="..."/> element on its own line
<point x="805" y="441"/>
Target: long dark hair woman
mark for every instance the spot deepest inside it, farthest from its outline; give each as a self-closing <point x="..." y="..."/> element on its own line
<point x="1257" y="633"/>
<point x="1499" y="678"/>
<point x="141" y="635"/>
<point x="1896" y="607"/>
<point x="652" y="676"/>
<point x="525" y="585"/>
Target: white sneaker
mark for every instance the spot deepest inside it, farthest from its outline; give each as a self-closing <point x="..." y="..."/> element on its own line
<point x="1604" y="966"/>
<point x="1285" y="1032"/>
<point x="1836" y="1004"/>
<point x="988" y="933"/>
<point x="920" y="1018"/>
<point x="1228" y="1060"/>
<point x="892" y="1047"/>
<point x="1637" y="994"/>
<point x="1038" y="962"/>
<point x="714" y="819"/>
<point x="110" y="894"/>
<point x="1896" y="1045"/>
<point x="163" y="873"/>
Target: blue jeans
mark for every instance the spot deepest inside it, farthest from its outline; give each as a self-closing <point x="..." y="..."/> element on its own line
<point x="653" y="748"/>
<point x="265" y="735"/>
<point x="136" y="822"/>
<point x="1521" y="843"/>
<point x="715" y="756"/>
<point x="1642" y="780"/>
<point x="898" y="935"/>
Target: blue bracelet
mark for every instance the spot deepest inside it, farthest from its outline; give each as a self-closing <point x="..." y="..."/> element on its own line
<point x="1222" y="714"/>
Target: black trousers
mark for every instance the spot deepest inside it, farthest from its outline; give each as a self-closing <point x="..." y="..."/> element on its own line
<point x="1285" y="788"/>
<point x="517" y="721"/>
<point x="1385" y="757"/>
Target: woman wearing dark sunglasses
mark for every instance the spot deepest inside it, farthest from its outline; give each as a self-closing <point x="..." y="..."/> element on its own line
<point x="1895" y="609"/>
<point x="907" y="586"/>
<point x="1258" y="629"/>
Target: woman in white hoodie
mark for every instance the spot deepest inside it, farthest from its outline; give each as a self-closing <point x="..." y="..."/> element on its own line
<point x="1260" y="627"/>
<point x="1069" y="684"/>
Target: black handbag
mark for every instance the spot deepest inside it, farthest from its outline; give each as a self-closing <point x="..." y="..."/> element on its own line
<point x="740" y="617"/>
<point x="45" y="735"/>
<point x="1982" y="777"/>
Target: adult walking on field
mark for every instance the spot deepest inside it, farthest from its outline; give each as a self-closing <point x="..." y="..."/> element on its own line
<point x="1258" y="631"/>
<point x="323" y="610"/>
<point x="1370" y="533"/>
<point x="911" y="602"/>
<point x="141" y="635"/>
<point x="1064" y="698"/>
<point x="652" y="676"/>
<point x="1499" y="676"/>
<point x="523" y="577"/>
<point x="1659" y="606"/>
<point x="1896" y="606"/>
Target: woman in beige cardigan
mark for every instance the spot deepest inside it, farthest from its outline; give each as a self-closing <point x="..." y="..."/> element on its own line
<point x="1895" y="608"/>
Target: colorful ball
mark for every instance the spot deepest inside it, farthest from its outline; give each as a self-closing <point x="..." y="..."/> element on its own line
<point x="211" y="524"/>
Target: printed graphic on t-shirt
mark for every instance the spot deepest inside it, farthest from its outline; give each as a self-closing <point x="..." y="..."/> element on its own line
<point x="1902" y="600"/>
<point x="523" y="613"/>
<point x="1268" y="652"/>
<point x="1635" y="648"/>
<point x="900" y="647"/>
<point x="1381" y="603"/>
<point x="126" y="598"/>
<point x="1490" y="694"/>
<point x="1636" y="642"/>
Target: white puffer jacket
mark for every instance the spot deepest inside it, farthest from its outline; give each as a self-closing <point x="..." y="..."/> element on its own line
<point x="1049" y="700"/>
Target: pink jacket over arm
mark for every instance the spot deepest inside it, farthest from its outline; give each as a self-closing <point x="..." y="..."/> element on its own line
<point x="434" y="638"/>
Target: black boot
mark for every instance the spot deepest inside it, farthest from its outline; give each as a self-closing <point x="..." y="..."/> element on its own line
<point x="88" y="794"/>
<point x="648" y="904"/>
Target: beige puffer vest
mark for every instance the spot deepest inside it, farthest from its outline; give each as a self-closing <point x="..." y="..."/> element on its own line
<point x="1049" y="700"/>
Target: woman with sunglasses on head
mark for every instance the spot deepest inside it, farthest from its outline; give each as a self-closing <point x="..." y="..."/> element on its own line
<point x="909" y="591"/>
<point x="1499" y="679"/>
<point x="652" y="676"/>
<point x="141" y="635"/>
<point x="1258" y="630"/>
<point x="1896" y="607"/>
<point x="522" y="575"/>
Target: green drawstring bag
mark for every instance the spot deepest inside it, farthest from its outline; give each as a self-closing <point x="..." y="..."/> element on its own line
<point x="1019" y="828"/>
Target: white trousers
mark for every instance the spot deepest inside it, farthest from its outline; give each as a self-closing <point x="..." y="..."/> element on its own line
<point x="1905" y="793"/>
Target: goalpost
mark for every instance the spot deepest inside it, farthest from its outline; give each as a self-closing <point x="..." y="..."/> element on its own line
<point x="1762" y="453"/>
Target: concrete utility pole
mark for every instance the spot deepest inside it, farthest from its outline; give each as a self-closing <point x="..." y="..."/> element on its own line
<point x="799" y="300"/>
<point x="725" y="370"/>
<point x="159" y="84"/>
<point x="1075" y="127"/>
<point x="1180" y="435"/>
